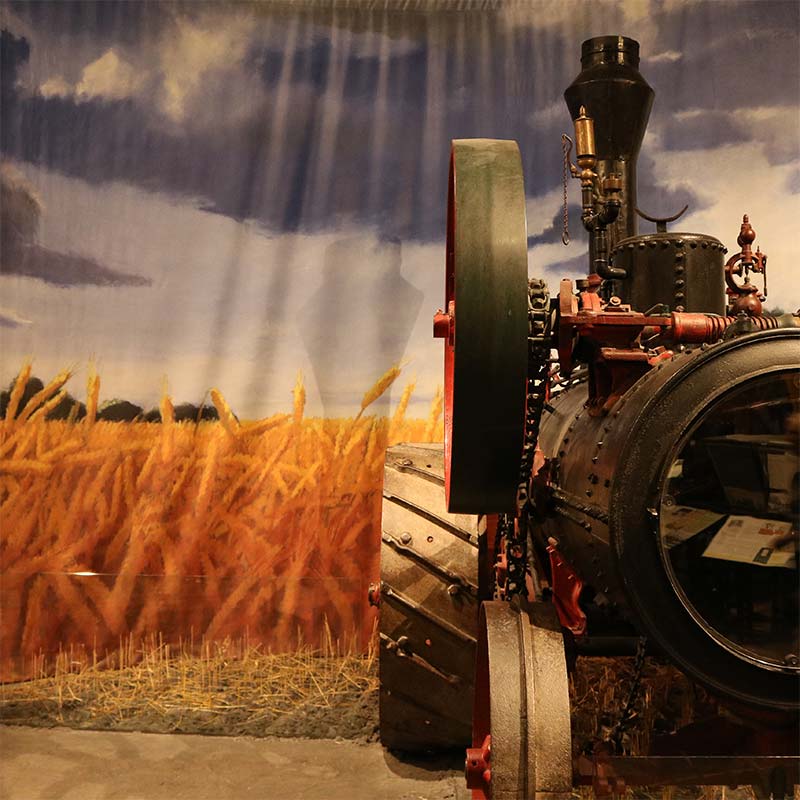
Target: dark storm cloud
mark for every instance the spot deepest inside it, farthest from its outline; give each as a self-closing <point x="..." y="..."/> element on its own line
<point x="8" y="320"/>
<point x="553" y="273"/>
<point x="65" y="269"/>
<point x="734" y="55"/>
<point x="20" y="254"/>
<point x="106" y="22"/>
<point x="657" y="200"/>
<point x="702" y="130"/>
<point x="375" y="97"/>
<point x="554" y="231"/>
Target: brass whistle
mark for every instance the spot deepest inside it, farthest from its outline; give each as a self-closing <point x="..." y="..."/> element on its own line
<point x="585" y="150"/>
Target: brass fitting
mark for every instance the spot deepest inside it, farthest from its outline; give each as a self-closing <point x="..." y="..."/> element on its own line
<point x="585" y="150"/>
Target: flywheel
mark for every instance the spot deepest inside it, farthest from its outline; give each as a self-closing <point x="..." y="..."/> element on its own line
<point x="485" y="326"/>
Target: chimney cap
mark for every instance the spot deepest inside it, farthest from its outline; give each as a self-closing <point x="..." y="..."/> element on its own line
<point x="611" y="49"/>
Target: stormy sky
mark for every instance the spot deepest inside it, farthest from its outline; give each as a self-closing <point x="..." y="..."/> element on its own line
<point x="225" y="194"/>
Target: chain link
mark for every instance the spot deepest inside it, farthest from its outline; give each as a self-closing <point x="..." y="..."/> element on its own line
<point x="628" y="713"/>
<point x="566" y="146"/>
<point x="512" y="530"/>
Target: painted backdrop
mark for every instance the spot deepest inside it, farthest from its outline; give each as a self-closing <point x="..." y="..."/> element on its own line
<point x="249" y="199"/>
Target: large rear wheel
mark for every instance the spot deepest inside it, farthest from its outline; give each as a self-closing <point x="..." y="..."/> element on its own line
<point x="429" y="601"/>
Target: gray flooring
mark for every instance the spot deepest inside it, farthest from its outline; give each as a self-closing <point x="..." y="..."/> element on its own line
<point x="63" y="764"/>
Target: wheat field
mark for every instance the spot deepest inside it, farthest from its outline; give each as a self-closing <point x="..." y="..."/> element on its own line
<point x="189" y="531"/>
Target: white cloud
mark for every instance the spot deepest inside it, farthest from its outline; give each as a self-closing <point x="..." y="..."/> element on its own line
<point x="540" y="210"/>
<point x="193" y="50"/>
<point x="56" y="87"/>
<point x="773" y="212"/>
<point x="665" y="56"/>
<point x="110" y="77"/>
<point x="555" y="112"/>
<point x="184" y="72"/>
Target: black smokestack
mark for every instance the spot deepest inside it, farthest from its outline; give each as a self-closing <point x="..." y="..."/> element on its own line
<point x="619" y="99"/>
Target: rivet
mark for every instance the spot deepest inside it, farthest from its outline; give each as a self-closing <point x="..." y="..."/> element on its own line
<point x="679" y="295"/>
<point x="652" y="245"/>
<point x="679" y="243"/>
<point x="679" y="308"/>
<point x="405" y="538"/>
<point x="594" y="459"/>
<point x="680" y="282"/>
<point x="693" y="245"/>
<point x="641" y="245"/>
<point x="588" y="492"/>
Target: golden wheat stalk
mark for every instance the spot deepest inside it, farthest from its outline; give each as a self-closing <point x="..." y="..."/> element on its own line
<point x="226" y="416"/>
<point x="44" y="409"/>
<point x="167" y="426"/>
<point x="436" y="412"/>
<point x="17" y="391"/>
<point x="92" y="394"/>
<point x="402" y="406"/>
<point x="25" y="466"/>
<point x="299" y="399"/>
<point x="378" y="388"/>
<point x="45" y="394"/>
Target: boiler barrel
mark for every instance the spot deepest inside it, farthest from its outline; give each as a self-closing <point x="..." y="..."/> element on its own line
<point x="677" y="509"/>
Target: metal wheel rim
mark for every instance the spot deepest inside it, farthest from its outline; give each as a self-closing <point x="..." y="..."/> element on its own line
<point x="522" y="701"/>
<point x="486" y="352"/>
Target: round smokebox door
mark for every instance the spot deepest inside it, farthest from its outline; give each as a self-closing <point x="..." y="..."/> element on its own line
<point x="729" y="520"/>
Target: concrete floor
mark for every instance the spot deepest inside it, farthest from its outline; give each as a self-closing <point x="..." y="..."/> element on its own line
<point x="64" y="764"/>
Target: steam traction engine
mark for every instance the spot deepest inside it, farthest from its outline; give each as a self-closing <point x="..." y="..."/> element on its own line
<point x="637" y="494"/>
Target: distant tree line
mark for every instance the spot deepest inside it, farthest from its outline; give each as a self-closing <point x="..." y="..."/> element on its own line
<point x="110" y="411"/>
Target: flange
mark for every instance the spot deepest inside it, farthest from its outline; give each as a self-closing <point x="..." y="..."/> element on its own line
<point x="484" y="325"/>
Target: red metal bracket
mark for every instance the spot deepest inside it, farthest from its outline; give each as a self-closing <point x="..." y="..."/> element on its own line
<point x="478" y="769"/>
<point x="566" y="585"/>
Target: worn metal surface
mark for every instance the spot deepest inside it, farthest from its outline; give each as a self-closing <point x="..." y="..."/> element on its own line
<point x="614" y="464"/>
<point x="486" y="353"/>
<point x="522" y="701"/>
<point x="613" y="774"/>
<point x="684" y="271"/>
<point x="428" y="605"/>
<point x="618" y="98"/>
